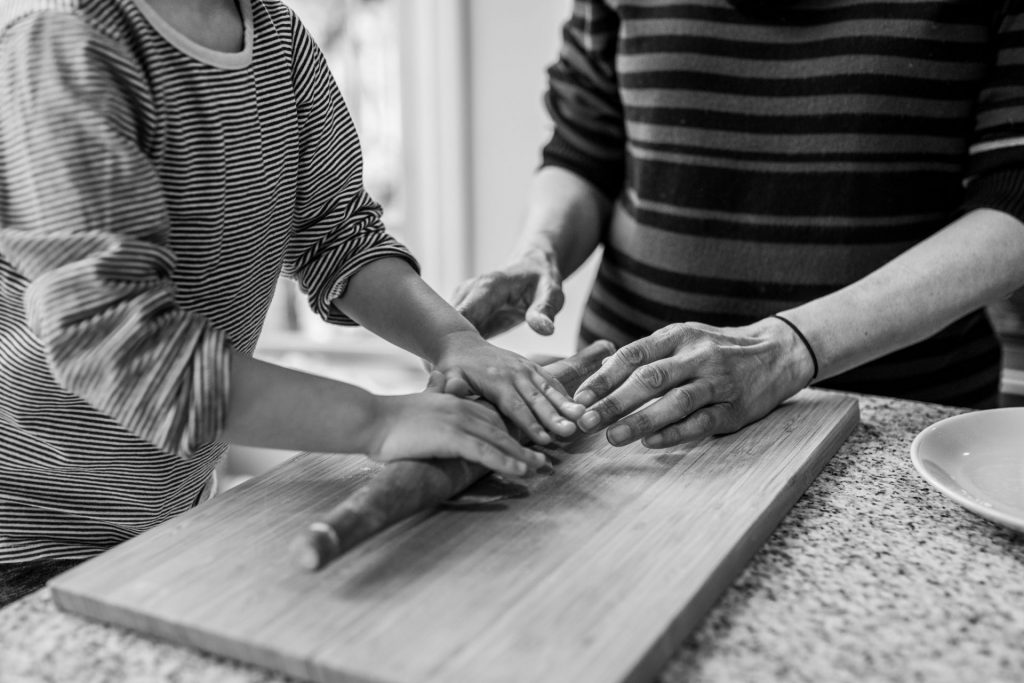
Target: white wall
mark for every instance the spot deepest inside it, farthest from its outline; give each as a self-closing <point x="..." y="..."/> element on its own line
<point x="511" y="45"/>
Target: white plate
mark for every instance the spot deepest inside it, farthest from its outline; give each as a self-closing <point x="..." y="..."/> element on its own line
<point x="977" y="459"/>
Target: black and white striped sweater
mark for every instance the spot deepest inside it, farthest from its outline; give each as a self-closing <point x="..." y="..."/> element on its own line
<point x="151" y="192"/>
<point x="767" y="153"/>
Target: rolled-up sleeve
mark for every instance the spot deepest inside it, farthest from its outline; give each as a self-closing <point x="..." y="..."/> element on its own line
<point x="583" y="100"/>
<point x="338" y="227"/>
<point x="996" y="156"/>
<point x="82" y="221"/>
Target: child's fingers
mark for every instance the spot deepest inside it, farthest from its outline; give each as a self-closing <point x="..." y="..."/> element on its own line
<point x="538" y="394"/>
<point x="495" y="447"/>
<point x="435" y="382"/>
<point x="558" y="396"/>
<point x="493" y="458"/>
<point x="512" y="405"/>
<point x="457" y="385"/>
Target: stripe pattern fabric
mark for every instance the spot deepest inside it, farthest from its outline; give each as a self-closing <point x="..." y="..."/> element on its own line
<point x="151" y="193"/>
<point x="763" y="154"/>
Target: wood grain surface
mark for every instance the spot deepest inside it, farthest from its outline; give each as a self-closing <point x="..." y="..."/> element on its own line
<point x="406" y="487"/>
<point x="595" y="576"/>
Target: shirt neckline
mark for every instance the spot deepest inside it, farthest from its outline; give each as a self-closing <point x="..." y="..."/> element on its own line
<point x="223" y="60"/>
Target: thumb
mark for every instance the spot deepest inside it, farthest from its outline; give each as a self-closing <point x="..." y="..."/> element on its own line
<point x="547" y="302"/>
<point x="435" y="383"/>
<point x="457" y="385"/>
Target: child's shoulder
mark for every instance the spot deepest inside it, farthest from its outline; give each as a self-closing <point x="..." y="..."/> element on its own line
<point x="112" y="18"/>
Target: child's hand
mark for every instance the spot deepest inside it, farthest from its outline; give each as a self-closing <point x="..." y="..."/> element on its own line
<point x="435" y="425"/>
<point x="525" y="393"/>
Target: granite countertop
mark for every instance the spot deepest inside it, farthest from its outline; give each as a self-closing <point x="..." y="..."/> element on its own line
<point x="874" y="575"/>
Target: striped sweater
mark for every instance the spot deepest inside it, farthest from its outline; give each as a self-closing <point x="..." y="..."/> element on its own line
<point x="151" y="192"/>
<point x="764" y="154"/>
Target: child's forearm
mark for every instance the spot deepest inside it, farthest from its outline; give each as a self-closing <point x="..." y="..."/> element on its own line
<point x="388" y="298"/>
<point x="276" y="407"/>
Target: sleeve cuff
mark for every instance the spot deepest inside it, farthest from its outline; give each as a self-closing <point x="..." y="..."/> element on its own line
<point x="1001" y="189"/>
<point x="324" y="306"/>
<point x="608" y="179"/>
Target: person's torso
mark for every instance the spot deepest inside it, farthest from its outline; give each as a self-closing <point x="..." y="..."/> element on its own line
<point x="777" y="154"/>
<point x="220" y="132"/>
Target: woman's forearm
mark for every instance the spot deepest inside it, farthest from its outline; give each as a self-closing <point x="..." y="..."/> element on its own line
<point x="975" y="260"/>
<point x="564" y="219"/>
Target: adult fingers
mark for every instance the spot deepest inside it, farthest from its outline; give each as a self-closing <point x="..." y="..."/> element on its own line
<point x="546" y="403"/>
<point x="673" y="407"/>
<point x="617" y="367"/>
<point x="558" y="396"/>
<point x="706" y="421"/>
<point x="548" y="300"/>
<point x="645" y="383"/>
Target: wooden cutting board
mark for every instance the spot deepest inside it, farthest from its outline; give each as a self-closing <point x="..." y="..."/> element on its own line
<point x="596" y="576"/>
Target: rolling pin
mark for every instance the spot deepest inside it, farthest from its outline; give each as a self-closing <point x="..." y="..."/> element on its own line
<point x="405" y="487"/>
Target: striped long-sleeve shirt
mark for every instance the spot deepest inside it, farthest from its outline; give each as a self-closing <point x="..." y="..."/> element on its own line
<point x="152" y="191"/>
<point x="764" y="154"/>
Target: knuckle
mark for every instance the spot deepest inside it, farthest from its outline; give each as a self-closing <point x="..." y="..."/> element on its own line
<point x="597" y="384"/>
<point x="632" y="354"/>
<point x="493" y="439"/>
<point x="678" y="331"/>
<point x="534" y="396"/>
<point x="482" y="451"/>
<point x="640" y="423"/>
<point x="707" y="348"/>
<point x="671" y="435"/>
<point x="681" y="401"/>
<point x="670" y="331"/>
<point x="608" y="408"/>
<point x="517" y="406"/>
<point x="652" y="376"/>
<point x="703" y="422"/>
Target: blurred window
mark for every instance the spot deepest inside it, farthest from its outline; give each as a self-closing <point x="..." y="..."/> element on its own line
<point x="360" y="40"/>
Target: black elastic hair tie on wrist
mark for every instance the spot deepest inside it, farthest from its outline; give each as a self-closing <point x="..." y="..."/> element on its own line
<point x="810" y="350"/>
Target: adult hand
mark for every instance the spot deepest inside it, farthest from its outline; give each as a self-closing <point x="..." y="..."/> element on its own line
<point x="435" y="425"/>
<point x="524" y="392"/>
<point x="700" y="380"/>
<point x="530" y="289"/>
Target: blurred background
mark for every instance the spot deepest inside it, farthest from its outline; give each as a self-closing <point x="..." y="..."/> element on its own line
<point x="447" y="98"/>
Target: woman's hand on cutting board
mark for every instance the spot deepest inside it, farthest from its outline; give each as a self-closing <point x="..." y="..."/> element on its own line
<point x="437" y="425"/>
<point x="525" y="393"/>
<point x="696" y="381"/>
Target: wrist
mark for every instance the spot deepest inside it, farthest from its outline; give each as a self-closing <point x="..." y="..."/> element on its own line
<point x="808" y="347"/>
<point x="791" y="362"/>
<point x="456" y="342"/>
<point x="540" y="256"/>
<point x="375" y="428"/>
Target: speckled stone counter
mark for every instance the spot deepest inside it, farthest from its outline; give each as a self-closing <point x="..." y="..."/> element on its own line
<point x="873" y="576"/>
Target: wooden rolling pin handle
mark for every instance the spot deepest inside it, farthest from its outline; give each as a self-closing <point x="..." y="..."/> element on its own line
<point x="317" y="544"/>
<point x="406" y="487"/>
